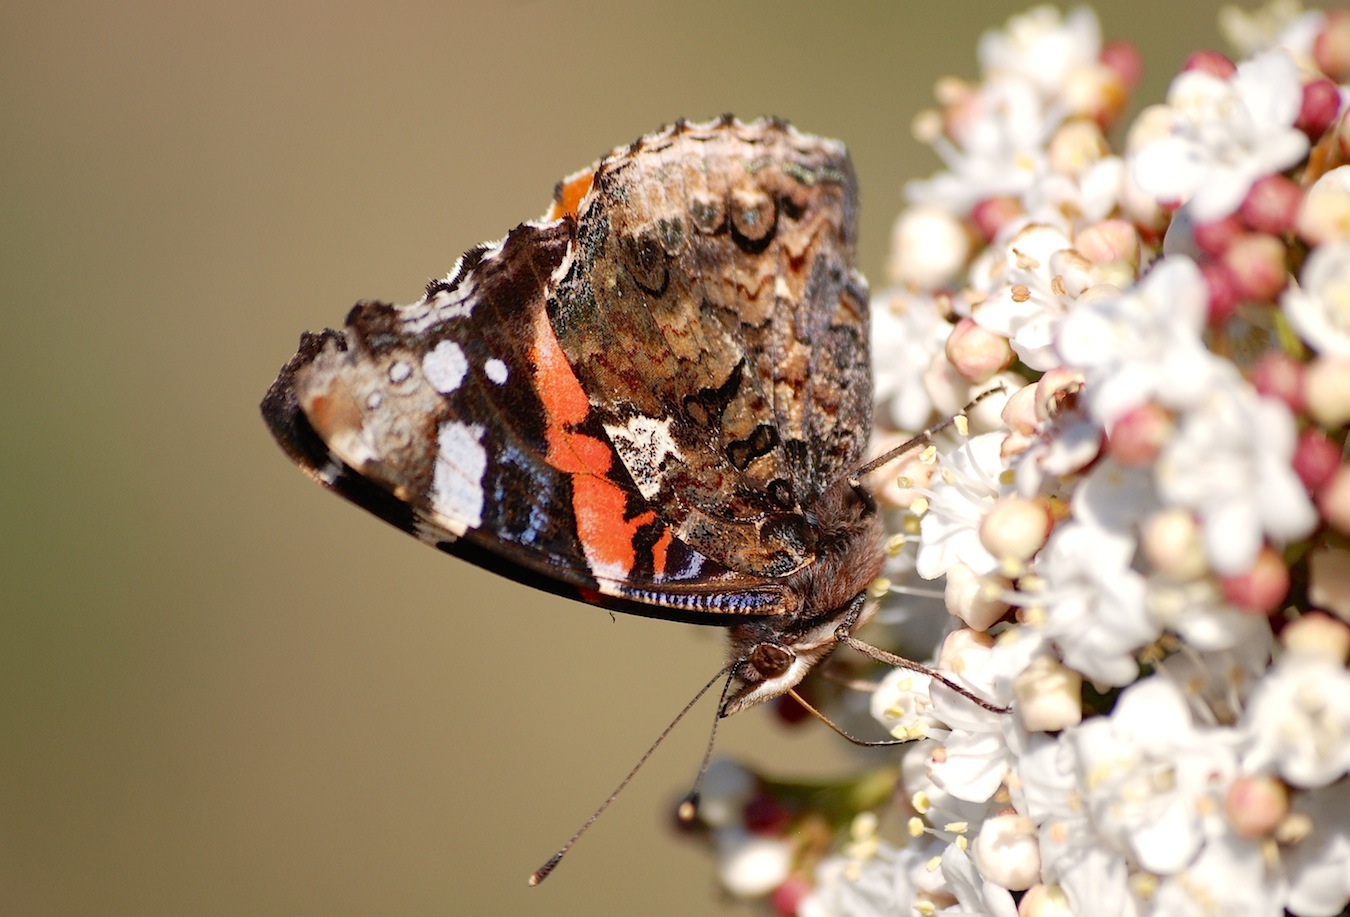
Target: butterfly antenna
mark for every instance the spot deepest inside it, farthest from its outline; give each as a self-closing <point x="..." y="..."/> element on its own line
<point x="880" y="655"/>
<point x="865" y="743"/>
<point x="542" y="873"/>
<point x="922" y="439"/>
<point x="689" y="807"/>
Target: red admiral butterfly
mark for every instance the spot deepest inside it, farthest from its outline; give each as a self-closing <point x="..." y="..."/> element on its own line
<point x="656" y="398"/>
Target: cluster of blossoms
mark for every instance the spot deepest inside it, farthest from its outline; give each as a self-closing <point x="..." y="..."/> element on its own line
<point x="1143" y="539"/>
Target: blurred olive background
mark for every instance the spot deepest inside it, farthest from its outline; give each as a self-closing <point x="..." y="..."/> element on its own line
<point x="224" y="691"/>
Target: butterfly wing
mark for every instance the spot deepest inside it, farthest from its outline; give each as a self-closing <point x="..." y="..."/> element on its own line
<point x="715" y="321"/>
<point x="458" y="419"/>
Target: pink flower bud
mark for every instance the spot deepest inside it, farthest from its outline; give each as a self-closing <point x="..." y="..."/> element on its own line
<point x="1109" y="242"/>
<point x="1331" y="48"/>
<point x="1255" y="805"/>
<point x="788" y="897"/>
<point x="1261" y="589"/>
<point x="992" y="214"/>
<point x="1139" y="435"/>
<point x="1280" y="376"/>
<point x="1257" y="260"/>
<point x="1272" y="204"/>
<point x="1321" y="104"/>
<point x="1224" y="291"/>
<point x="1020" y="411"/>
<point x="1124" y="59"/>
<point x="976" y="352"/>
<point x="1211" y="62"/>
<point x="1316" y="459"/>
<point x="1214" y="237"/>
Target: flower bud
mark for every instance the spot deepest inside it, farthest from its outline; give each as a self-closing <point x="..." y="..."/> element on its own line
<point x="1271" y="205"/>
<point x="1172" y="543"/>
<point x="976" y="352"/>
<point x="1333" y="502"/>
<point x="1319" y="107"/>
<point x="1331" y="47"/>
<point x="1140" y="434"/>
<point x="1326" y="386"/>
<point x="1015" y="528"/>
<point x="1261" y="589"/>
<point x="928" y="248"/>
<point x="1317" y="634"/>
<point x="1211" y="62"/>
<point x="1316" y="459"/>
<point x="1257" y="260"/>
<point x="1255" y="805"/>
<point x="1047" y="696"/>
<point x="1007" y="853"/>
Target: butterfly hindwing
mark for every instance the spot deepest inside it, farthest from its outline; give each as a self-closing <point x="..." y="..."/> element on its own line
<point x="714" y="319"/>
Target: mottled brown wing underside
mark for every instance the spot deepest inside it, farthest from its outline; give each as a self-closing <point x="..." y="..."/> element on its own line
<point x="713" y="316"/>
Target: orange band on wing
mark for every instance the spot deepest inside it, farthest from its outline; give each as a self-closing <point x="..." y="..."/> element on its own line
<point x="598" y="504"/>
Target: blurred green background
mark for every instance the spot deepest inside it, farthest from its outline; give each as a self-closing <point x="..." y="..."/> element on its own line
<point x="223" y="691"/>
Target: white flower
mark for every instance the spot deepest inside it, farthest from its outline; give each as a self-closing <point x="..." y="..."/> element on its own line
<point x="1092" y="875"/>
<point x="751" y="865"/>
<point x="966" y="485"/>
<point x="1143" y="344"/>
<point x="1093" y="603"/>
<point x="1150" y="777"/>
<point x="1299" y="720"/>
<point x="981" y="745"/>
<point x="1086" y="197"/>
<point x="1042" y="47"/>
<point x="929" y="247"/>
<point x="998" y="149"/>
<point x="974" y="893"/>
<point x="1275" y="24"/>
<point x="1318" y="865"/>
<point x="1222" y="135"/>
<point x="907" y="333"/>
<point x="901" y="704"/>
<point x="1229" y="876"/>
<point x="893" y="880"/>
<point x="1038" y="278"/>
<point x="1229" y="461"/>
<point x="1319" y="306"/>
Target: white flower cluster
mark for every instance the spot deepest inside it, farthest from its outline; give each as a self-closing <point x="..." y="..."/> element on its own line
<point x="1147" y="549"/>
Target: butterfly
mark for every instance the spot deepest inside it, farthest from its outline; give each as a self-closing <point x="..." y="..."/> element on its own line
<point x="656" y="398"/>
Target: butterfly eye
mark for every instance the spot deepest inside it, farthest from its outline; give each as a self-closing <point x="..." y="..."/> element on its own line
<point x="771" y="660"/>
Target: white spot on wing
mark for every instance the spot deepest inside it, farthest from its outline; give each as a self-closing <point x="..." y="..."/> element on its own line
<point x="457" y="481"/>
<point x="644" y="443"/>
<point x="496" y="371"/>
<point x="399" y="371"/>
<point x="444" y="367"/>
